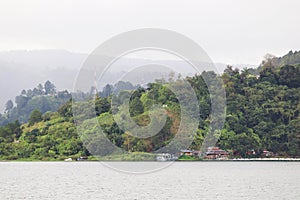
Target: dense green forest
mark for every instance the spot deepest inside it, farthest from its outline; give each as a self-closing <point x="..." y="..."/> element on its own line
<point x="262" y="113"/>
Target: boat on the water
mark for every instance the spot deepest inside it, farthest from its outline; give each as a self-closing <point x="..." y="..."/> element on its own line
<point x="165" y="157"/>
<point x="82" y="158"/>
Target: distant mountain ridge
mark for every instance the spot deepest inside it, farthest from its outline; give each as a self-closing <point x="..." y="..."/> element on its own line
<point x="26" y="69"/>
<point x="43" y="59"/>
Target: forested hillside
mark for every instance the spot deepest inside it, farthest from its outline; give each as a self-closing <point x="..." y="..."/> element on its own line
<point x="44" y="98"/>
<point x="292" y="58"/>
<point x="262" y="114"/>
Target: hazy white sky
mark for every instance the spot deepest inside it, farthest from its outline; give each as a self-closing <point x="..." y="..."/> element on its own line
<point x="231" y="31"/>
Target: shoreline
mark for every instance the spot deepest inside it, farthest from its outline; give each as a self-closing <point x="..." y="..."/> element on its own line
<point x="204" y="160"/>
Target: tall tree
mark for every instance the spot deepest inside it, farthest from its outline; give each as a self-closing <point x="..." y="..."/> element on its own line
<point x="9" y="105"/>
<point x="35" y="116"/>
<point x="49" y="88"/>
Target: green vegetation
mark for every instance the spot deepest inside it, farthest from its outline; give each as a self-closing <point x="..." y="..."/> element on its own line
<point x="292" y="58"/>
<point x="43" y="98"/>
<point x="262" y="114"/>
<point x="187" y="158"/>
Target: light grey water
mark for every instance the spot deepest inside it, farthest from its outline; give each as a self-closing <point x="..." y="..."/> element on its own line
<point x="182" y="180"/>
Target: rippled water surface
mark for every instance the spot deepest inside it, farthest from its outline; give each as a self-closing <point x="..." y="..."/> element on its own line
<point x="181" y="180"/>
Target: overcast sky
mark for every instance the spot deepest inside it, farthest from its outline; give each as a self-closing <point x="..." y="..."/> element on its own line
<point x="231" y="32"/>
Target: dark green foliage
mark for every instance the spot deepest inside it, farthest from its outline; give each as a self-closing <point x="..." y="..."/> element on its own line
<point x="289" y="75"/>
<point x="66" y="110"/>
<point x="35" y="116"/>
<point x="268" y="74"/>
<point x="136" y="106"/>
<point x="264" y="110"/>
<point x="10" y="131"/>
<point x="102" y="105"/>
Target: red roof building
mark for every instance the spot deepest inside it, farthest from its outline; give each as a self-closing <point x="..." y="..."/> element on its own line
<point x="216" y="153"/>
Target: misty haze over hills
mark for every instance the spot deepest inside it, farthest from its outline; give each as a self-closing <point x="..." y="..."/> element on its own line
<point x="26" y="69"/>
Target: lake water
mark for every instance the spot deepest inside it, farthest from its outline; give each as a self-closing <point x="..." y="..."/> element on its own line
<point x="181" y="180"/>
